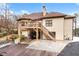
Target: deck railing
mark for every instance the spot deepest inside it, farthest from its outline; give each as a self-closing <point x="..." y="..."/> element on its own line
<point x="31" y="25"/>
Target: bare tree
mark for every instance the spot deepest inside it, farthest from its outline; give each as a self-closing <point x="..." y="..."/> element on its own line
<point x="7" y="20"/>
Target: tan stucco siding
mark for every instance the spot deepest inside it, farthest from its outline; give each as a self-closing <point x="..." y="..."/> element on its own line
<point x="58" y="27"/>
<point x="68" y="28"/>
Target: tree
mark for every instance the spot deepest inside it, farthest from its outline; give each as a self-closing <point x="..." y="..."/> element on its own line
<point x="76" y="22"/>
<point x="7" y="19"/>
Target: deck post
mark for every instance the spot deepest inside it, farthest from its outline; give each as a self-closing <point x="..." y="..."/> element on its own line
<point x="37" y="34"/>
<point x="19" y="31"/>
<point x="37" y="31"/>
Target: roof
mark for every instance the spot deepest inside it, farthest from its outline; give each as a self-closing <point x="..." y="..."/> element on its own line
<point x="39" y="16"/>
<point x="69" y="16"/>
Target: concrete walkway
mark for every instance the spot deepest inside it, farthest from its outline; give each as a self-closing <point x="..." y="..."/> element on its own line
<point x="48" y="45"/>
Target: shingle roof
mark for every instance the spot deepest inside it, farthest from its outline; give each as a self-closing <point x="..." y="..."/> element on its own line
<point x="33" y="16"/>
<point x="69" y="16"/>
<point x="38" y="16"/>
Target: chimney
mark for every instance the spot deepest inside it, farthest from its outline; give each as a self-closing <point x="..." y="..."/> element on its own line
<point x="44" y="10"/>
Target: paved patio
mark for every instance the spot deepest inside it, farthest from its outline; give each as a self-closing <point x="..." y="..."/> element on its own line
<point x="48" y="45"/>
<point x="20" y="50"/>
<point x="36" y="48"/>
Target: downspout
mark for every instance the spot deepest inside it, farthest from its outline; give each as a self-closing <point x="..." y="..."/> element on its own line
<point x="75" y="23"/>
<point x="72" y="28"/>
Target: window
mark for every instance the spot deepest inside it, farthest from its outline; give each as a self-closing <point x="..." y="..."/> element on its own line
<point x="48" y="23"/>
<point x="23" y="23"/>
<point x="26" y="22"/>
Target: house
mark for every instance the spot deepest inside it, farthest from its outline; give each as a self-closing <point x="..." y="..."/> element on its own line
<point x="43" y="25"/>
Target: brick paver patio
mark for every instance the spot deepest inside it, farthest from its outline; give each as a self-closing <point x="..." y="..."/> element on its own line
<point x="20" y="50"/>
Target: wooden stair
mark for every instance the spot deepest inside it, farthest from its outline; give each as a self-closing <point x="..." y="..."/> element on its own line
<point x="46" y="32"/>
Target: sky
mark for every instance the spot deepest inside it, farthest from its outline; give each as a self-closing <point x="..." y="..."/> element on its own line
<point x="67" y="8"/>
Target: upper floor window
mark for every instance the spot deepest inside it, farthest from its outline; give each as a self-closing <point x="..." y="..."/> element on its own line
<point x="48" y="23"/>
<point x="23" y="23"/>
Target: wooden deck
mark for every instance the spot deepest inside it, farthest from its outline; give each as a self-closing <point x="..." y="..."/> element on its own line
<point x="20" y="50"/>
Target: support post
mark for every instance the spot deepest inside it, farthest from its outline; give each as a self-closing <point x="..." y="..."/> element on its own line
<point x="19" y="31"/>
<point x="37" y="35"/>
<point x="37" y="31"/>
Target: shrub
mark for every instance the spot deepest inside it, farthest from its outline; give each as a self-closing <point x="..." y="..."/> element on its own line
<point x="13" y="32"/>
<point x="22" y="38"/>
<point x="3" y="34"/>
<point x="13" y="37"/>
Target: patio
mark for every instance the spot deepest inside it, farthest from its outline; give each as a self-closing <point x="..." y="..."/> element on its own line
<point x="20" y="50"/>
<point x="48" y="45"/>
<point x="35" y="48"/>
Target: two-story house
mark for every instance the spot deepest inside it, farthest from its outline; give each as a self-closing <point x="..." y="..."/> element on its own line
<point x="44" y="25"/>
